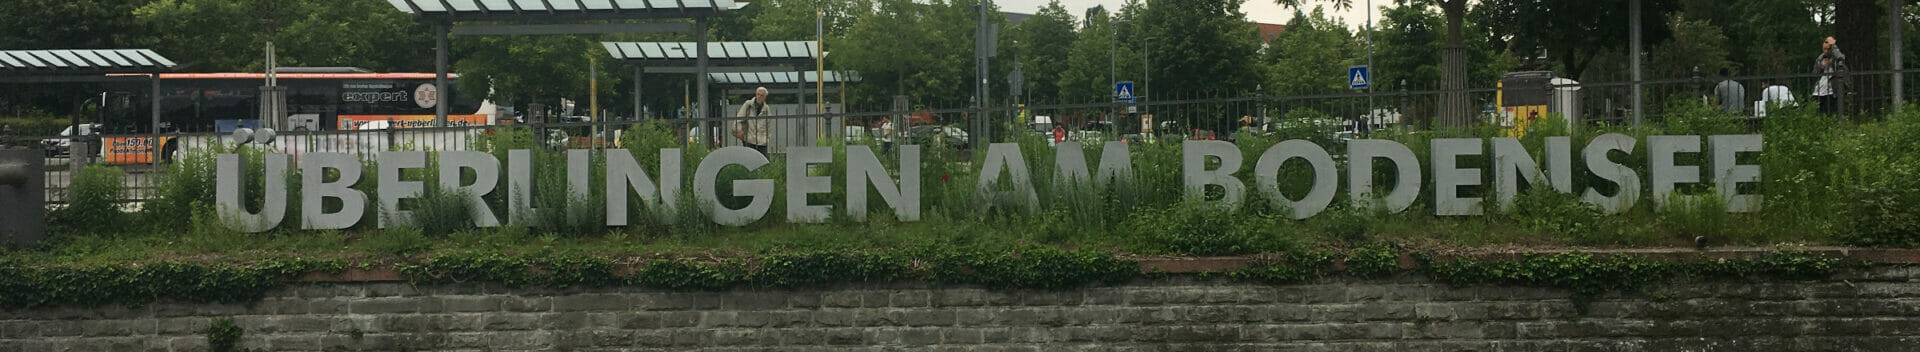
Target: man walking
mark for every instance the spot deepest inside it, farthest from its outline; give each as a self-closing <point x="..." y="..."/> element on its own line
<point x="1733" y="96"/>
<point x="753" y="132"/>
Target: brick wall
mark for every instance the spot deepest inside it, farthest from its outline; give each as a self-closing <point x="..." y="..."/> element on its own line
<point x="1878" y="310"/>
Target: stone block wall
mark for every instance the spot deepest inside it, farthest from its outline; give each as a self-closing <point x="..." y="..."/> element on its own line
<point x="1874" y="311"/>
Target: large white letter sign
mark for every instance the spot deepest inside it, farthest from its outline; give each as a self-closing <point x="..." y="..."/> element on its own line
<point x="1116" y="165"/>
<point x="1193" y="166"/>
<point x="1006" y="156"/>
<point x="1326" y="180"/>
<point x="392" y="189"/>
<point x="624" y="172"/>
<point x="760" y="190"/>
<point x="1448" y="177"/>
<point x="314" y="191"/>
<point x="1512" y="163"/>
<point x="1360" y="155"/>
<point x="1666" y="176"/>
<point x="799" y="185"/>
<point x="1069" y="165"/>
<point x="1728" y="174"/>
<point x="486" y="175"/>
<point x="864" y="170"/>
<point x="1628" y="180"/>
<point x="232" y="198"/>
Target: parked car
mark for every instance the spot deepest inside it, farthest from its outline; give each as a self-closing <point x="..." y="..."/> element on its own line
<point x="857" y="134"/>
<point x="62" y="146"/>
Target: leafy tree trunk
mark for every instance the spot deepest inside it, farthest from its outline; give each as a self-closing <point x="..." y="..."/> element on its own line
<point x="1454" y="107"/>
<point x="1858" y="25"/>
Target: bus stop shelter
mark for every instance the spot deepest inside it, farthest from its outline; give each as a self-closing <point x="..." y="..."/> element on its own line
<point x="555" y="17"/>
<point x="794" y="131"/>
<point x="732" y="57"/>
<point x="23" y="67"/>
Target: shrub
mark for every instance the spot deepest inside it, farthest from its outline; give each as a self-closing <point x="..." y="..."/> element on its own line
<point x="224" y="336"/>
<point x="441" y="211"/>
<point x="1203" y="229"/>
<point x="1375" y="260"/>
<point x="93" y="202"/>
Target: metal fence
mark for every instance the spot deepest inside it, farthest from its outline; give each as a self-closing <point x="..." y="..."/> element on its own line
<point x="1865" y="96"/>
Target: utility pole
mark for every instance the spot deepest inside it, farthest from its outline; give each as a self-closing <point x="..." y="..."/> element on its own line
<point x="1369" y="114"/>
<point x="1633" y="20"/>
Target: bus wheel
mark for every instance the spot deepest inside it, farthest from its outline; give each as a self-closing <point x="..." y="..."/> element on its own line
<point x="170" y="152"/>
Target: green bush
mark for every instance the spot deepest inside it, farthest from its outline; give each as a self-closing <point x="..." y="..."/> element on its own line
<point x="93" y="202"/>
<point x="440" y="211"/>
<point x="224" y="336"/>
<point x="1377" y="260"/>
<point x="1881" y="185"/>
<point x="1204" y="229"/>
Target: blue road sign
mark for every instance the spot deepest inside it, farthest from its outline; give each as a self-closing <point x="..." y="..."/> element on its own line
<point x="1123" y="91"/>
<point x="1357" y="77"/>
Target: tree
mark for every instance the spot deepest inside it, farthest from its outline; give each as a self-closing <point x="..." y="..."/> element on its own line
<point x="1311" y="56"/>
<point x="1044" y="42"/>
<point x="532" y="69"/>
<point x="1696" y="44"/>
<point x="1453" y="56"/>
<point x="204" y="35"/>
<point x="795" y="20"/>
<point x="1211" y="45"/>
<point x="65" y="24"/>
<point x="1572" y="33"/>
<point x="923" y="51"/>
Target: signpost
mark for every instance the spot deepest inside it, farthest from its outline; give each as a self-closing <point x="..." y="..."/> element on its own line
<point x="1123" y="92"/>
<point x="1358" y="77"/>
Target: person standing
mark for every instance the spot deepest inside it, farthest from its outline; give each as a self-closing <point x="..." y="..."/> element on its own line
<point x="886" y="136"/>
<point x="1733" y="96"/>
<point x="753" y="132"/>
<point x="1824" y="91"/>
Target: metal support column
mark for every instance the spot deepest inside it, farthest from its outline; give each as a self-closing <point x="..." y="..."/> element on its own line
<point x="638" y="113"/>
<point x="440" y="74"/>
<point x="1633" y="23"/>
<point x="1894" y="10"/>
<point x="700" y="47"/>
<point x="153" y="105"/>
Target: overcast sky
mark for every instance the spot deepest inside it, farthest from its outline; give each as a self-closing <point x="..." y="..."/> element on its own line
<point x="1263" y="11"/>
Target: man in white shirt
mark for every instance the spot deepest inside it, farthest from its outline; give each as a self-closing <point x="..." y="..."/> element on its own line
<point x="886" y="136"/>
<point x="1775" y="95"/>
<point x="754" y="133"/>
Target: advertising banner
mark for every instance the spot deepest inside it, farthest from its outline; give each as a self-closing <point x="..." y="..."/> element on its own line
<point x="380" y="122"/>
<point x="130" y="150"/>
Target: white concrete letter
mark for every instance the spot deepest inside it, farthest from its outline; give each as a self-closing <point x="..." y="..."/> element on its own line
<point x="392" y="189"/>
<point x="760" y="190"/>
<point x="1193" y="166"/>
<point x="1360" y="155"/>
<point x="1666" y="176"/>
<point x="864" y="170"/>
<point x="1006" y="156"/>
<point x="486" y="172"/>
<point x="1326" y="179"/>
<point x="799" y="185"/>
<point x="1622" y="176"/>
<point x="231" y="196"/>
<point x="1728" y="174"/>
<point x="1447" y="177"/>
<point x="314" y="191"/>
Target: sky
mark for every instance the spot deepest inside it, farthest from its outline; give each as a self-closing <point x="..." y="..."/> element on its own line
<point x="1262" y="11"/>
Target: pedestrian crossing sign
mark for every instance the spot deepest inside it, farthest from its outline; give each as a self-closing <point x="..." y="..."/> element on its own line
<point x="1357" y="77"/>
